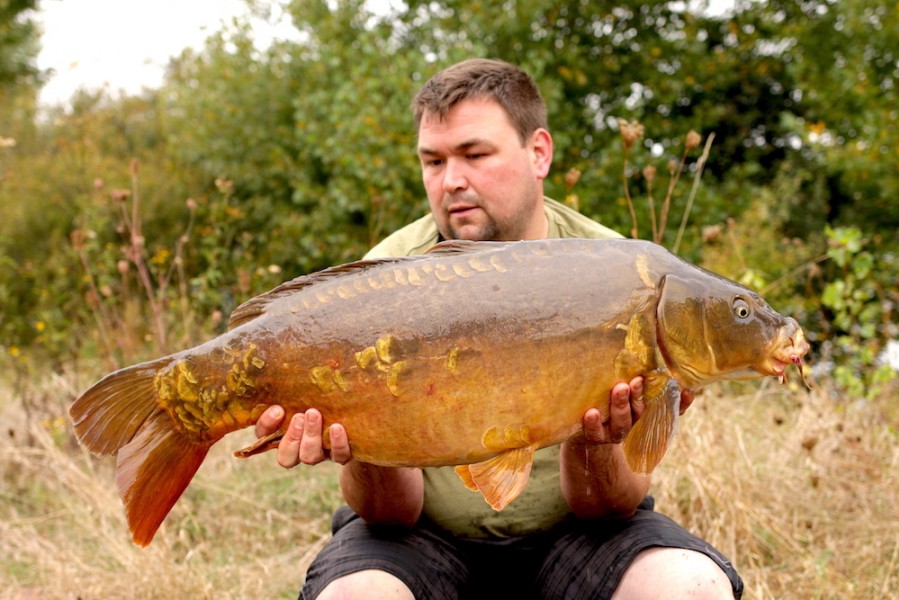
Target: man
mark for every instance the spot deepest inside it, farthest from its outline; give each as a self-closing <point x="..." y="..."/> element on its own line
<point x="583" y="528"/>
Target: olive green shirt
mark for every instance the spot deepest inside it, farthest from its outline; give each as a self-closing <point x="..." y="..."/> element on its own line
<point x="448" y="503"/>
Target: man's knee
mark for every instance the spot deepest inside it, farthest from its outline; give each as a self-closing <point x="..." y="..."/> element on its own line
<point x="673" y="573"/>
<point x="370" y="583"/>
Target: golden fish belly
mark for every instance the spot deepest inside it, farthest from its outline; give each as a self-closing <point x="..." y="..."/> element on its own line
<point x="424" y="379"/>
<point x="458" y="406"/>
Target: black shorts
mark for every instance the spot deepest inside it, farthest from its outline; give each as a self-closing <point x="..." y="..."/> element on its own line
<point x="579" y="560"/>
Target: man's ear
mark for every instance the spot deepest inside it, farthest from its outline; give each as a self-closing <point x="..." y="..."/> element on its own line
<point x="541" y="146"/>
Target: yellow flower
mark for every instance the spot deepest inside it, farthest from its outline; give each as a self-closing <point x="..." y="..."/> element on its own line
<point x="161" y="256"/>
<point x="40" y="325"/>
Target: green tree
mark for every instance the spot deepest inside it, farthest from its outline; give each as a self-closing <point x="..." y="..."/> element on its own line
<point x="18" y="41"/>
<point x="314" y="136"/>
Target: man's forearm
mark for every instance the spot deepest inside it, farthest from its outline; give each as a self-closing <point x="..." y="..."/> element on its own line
<point x="597" y="482"/>
<point x="382" y="494"/>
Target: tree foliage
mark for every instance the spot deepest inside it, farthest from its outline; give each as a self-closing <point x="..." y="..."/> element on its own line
<point x="18" y="41"/>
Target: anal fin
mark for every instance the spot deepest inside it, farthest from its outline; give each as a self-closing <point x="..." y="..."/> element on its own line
<point x="464" y="473"/>
<point x="502" y="478"/>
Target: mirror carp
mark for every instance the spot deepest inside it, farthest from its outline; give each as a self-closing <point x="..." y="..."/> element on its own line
<point x="474" y="354"/>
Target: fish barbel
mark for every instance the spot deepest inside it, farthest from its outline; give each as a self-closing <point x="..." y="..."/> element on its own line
<point x="474" y="354"/>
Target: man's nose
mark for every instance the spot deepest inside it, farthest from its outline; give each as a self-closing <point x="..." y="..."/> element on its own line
<point x="454" y="176"/>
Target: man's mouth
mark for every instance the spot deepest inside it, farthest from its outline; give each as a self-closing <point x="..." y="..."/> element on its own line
<point x="463" y="210"/>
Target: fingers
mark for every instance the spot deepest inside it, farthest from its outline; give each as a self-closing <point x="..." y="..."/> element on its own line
<point x="594" y="430"/>
<point x="625" y="407"/>
<point x="620" y="417"/>
<point x="310" y="426"/>
<point x="270" y="421"/>
<point x="638" y="403"/>
<point x="303" y="441"/>
<point x="340" y="445"/>
<point x="289" y="448"/>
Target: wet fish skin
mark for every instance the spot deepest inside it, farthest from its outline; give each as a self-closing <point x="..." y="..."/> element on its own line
<point x="475" y="354"/>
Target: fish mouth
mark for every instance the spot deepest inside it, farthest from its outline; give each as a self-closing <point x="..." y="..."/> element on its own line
<point x="789" y="349"/>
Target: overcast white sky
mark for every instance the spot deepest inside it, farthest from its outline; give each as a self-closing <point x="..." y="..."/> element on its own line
<point x="125" y="44"/>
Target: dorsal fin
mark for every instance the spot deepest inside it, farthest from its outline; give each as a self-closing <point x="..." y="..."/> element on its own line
<point x="462" y="246"/>
<point x="255" y="307"/>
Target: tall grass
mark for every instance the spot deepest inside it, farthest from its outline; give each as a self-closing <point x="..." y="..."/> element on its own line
<point x="798" y="488"/>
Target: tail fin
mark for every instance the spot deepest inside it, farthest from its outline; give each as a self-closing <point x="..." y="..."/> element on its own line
<point x="155" y="462"/>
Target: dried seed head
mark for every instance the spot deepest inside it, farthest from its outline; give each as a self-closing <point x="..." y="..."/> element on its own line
<point x="649" y="172"/>
<point x="191" y="204"/>
<point x="693" y="140"/>
<point x="711" y="233"/>
<point x="572" y="177"/>
<point x="225" y="186"/>
<point x="243" y="280"/>
<point x="77" y="238"/>
<point x="630" y="132"/>
<point x="119" y="195"/>
<point x="123" y="266"/>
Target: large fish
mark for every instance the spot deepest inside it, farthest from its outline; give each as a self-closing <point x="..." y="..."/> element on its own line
<point x="475" y="354"/>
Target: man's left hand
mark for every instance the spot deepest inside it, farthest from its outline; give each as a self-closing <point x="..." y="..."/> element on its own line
<point x="626" y="405"/>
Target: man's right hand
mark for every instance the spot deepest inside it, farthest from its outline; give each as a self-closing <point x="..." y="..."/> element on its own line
<point x="302" y="441"/>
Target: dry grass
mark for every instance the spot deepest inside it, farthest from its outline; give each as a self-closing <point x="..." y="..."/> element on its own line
<point x="244" y="529"/>
<point x="798" y="488"/>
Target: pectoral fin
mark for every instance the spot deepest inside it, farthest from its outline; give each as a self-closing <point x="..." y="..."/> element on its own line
<point x="500" y="479"/>
<point x="639" y="352"/>
<point x="646" y="443"/>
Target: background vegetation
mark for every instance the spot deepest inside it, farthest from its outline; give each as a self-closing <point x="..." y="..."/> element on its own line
<point x="133" y="225"/>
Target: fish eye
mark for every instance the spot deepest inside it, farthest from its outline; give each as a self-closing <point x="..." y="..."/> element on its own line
<point x="741" y="308"/>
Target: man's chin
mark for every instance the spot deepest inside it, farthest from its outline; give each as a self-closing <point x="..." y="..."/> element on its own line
<point x="473" y="231"/>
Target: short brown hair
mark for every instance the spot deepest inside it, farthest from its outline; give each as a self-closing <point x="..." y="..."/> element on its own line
<point x="503" y="82"/>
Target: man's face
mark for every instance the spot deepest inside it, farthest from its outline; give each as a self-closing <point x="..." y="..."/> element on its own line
<point x="482" y="184"/>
